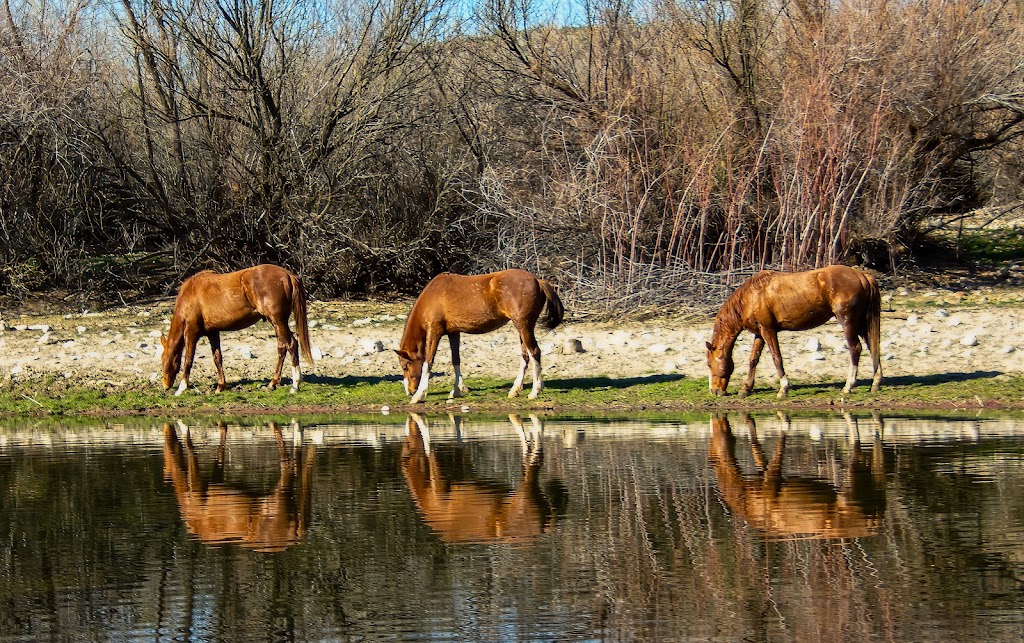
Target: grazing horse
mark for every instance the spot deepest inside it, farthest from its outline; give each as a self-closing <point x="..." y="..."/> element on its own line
<point x="452" y="304"/>
<point x="772" y="301"/>
<point x="219" y="513"/>
<point x="477" y="511"/>
<point x="209" y="303"/>
<point x="784" y="507"/>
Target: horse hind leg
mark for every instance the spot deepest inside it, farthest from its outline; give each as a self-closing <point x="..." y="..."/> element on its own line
<point x="517" y="386"/>
<point x="854" y="346"/>
<point x="531" y="352"/>
<point x="285" y="339"/>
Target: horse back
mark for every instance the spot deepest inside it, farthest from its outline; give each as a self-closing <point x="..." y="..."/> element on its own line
<point x="804" y="300"/>
<point x="479" y="303"/>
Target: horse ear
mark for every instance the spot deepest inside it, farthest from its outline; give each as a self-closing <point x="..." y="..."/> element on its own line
<point x="710" y="347"/>
<point x="403" y="354"/>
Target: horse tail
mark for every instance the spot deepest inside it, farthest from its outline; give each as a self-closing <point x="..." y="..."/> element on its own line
<point x="554" y="311"/>
<point x="301" y="323"/>
<point x="874" y="320"/>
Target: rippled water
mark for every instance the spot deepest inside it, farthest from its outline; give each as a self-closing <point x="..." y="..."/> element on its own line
<point x="441" y="528"/>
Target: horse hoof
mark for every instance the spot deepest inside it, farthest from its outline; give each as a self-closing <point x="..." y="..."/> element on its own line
<point x="534" y="395"/>
<point x="743" y="392"/>
<point x="782" y="395"/>
<point x="512" y="394"/>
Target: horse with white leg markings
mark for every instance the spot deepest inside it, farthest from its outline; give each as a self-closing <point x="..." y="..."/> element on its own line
<point x="452" y="304"/>
<point x="771" y="301"/>
<point x="209" y="303"/>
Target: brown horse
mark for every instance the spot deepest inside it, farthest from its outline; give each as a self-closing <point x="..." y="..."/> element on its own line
<point x="209" y="303"/>
<point x="477" y="511"/>
<point x="452" y="304"/>
<point x="217" y="513"/>
<point x="784" y="507"/>
<point x="772" y="301"/>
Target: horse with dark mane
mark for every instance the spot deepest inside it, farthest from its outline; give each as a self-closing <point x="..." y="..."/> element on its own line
<point x="210" y="302"/>
<point x="772" y="301"/>
<point x="452" y="304"/>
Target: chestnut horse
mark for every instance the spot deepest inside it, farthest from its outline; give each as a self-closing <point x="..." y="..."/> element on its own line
<point x="452" y="304"/>
<point x="477" y="511"/>
<point x="772" y="301"/>
<point x="784" y="507"/>
<point x="209" y="303"/>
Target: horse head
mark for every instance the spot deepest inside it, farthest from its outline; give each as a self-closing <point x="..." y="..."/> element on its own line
<point x="170" y="360"/>
<point x="412" y="370"/>
<point x="721" y="365"/>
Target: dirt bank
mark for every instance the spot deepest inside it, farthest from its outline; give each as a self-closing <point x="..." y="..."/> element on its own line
<point x="923" y="332"/>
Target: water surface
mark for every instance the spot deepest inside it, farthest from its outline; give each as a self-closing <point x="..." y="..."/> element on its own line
<point x="446" y="528"/>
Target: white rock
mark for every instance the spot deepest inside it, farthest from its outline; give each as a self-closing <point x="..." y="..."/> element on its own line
<point x="371" y="346"/>
<point x="18" y="368"/>
<point x="81" y="330"/>
<point x="572" y="346"/>
<point x="658" y="349"/>
<point x="317" y="353"/>
<point x="40" y="327"/>
<point x="942" y="312"/>
<point x="669" y="367"/>
<point x="1006" y="350"/>
<point x="970" y="339"/>
<point x="813" y="345"/>
<point x="953" y="322"/>
<point x="245" y="352"/>
<point x="816" y="356"/>
<point x="155" y="333"/>
<point x="912" y="319"/>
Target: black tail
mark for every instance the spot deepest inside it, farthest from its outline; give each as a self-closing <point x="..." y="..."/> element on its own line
<point x="554" y="311"/>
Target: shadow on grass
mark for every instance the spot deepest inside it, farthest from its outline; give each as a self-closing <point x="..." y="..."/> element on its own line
<point x="577" y="383"/>
<point x="326" y="380"/>
<point x="888" y="383"/>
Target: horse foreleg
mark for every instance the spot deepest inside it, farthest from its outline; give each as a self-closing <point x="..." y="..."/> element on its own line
<point x="191" y="339"/>
<point x="755" y="356"/>
<point x="433" y="339"/>
<point x="772" y="339"/>
<point x="459" y="388"/>
<point x="218" y="359"/>
<point x="854" y="347"/>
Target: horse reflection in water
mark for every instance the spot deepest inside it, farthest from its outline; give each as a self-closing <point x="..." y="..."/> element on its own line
<point x="219" y="513"/>
<point x="793" y="507"/>
<point x="478" y="511"/>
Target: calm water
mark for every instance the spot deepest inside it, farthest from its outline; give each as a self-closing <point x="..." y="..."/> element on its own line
<point x="405" y="528"/>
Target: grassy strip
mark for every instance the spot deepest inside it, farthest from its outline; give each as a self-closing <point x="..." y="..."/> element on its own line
<point x="595" y="395"/>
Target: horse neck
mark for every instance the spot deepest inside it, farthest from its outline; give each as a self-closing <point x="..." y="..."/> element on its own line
<point x="414" y="337"/>
<point x="176" y="333"/>
<point x="727" y="328"/>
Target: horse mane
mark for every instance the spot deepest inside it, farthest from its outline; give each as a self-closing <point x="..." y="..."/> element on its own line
<point x="729" y="315"/>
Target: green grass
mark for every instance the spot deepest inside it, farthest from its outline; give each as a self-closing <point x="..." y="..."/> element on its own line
<point x="590" y="396"/>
